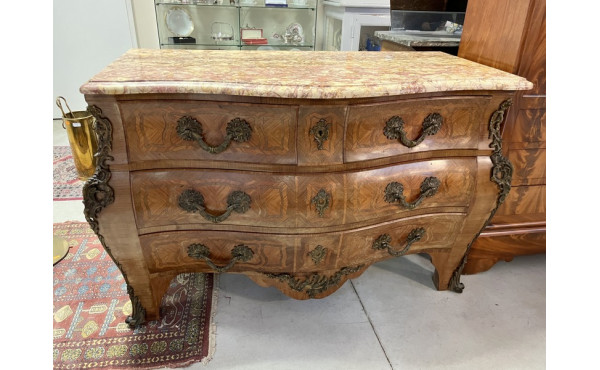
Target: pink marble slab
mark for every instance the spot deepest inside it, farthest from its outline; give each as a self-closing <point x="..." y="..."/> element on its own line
<point x="287" y="74"/>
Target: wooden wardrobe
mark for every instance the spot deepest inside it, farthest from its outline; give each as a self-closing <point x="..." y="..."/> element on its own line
<point x="511" y="35"/>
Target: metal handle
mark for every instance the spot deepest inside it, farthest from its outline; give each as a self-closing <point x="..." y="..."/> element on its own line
<point x="193" y="201"/>
<point x="59" y="105"/>
<point x="394" y="192"/>
<point x="394" y="129"/>
<point x="239" y="253"/>
<point x="320" y="131"/>
<point x="321" y="201"/>
<point x="238" y="130"/>
<point x="383" y="242"/>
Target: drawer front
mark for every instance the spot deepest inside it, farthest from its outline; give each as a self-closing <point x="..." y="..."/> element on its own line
<point x="528" y="127"/>
<point x="321" y="134"/>
<point x="525" y="200"/>
<point x="383" y="130"/>
<point x="189" y="130"/>
<point x="529" y="166"/>
<point x="215" y="251"/>
<point x="414" y="235"/>
<point x="386" y="193"/>
<point x="175" y="197"/>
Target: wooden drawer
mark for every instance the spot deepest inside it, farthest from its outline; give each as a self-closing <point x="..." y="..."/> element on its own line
<point x="525" y="200"/>
<point x="528" y="127"/>
<point x="373" y="131"/>
<point x="151" y="127"/>
<point x="321" y="134"/>
<point x="529" y="166"/>
<point x="157" y="195"/>
<point x="190" y="250"/>
<point x="302" y="200"/>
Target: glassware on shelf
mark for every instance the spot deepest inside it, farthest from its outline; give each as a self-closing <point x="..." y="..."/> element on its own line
<point x="179" y="22"/>
<point x="294" y="34"/>
<point x="221" y="31"/>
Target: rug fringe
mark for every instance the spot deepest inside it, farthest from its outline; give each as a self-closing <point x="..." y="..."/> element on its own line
<point x="212" y="335"/>
<point x="212" y="331"/>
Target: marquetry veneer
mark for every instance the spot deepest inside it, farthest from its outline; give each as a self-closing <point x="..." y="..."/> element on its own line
<point x="297" y="190"/>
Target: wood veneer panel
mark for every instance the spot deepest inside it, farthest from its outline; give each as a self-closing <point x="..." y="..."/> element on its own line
<point x="489" y="249"/>
<point x="511" y="35"/>
<point x="528" y="127"/>
<point x="291" y="253"/>
<point x="533" y="61"/>
<point x="365" y="137"/>
<point x="286" y="201"/>
<point x="493" y="33"/>
<point x="524" y="200"/>
<point x="529" y="166"/>
<point x="151" y="128"/>
<point x="331" y="130"/>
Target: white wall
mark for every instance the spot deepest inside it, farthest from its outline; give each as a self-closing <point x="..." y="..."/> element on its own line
<point x="88" y="35"/>
<point x="145" y="24"/>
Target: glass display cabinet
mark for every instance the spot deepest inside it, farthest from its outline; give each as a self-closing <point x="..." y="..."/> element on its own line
<point x="349" y="23"/>
<point x="237" y="24"/>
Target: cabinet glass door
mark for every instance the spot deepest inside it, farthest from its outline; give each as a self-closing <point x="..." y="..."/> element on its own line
<point x="218" y="24"/>
<point x="292" y="27"/>
<point x="196" y="25"/>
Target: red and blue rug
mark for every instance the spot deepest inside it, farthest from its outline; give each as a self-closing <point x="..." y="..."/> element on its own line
<point x="67" y="185"/>
<point x="91" y="305"/>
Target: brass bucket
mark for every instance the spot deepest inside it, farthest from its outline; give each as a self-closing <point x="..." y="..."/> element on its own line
<point x="82" y="139"/>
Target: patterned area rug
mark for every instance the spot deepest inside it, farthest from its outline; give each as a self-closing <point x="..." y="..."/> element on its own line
<point x="91" y="305"/>
<point x="67" y="185"/>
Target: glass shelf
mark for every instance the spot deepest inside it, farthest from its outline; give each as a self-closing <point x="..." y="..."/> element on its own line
<point x="290" y="6"/>
<point x="283" y="22"/>
<point x="237" y="44"/>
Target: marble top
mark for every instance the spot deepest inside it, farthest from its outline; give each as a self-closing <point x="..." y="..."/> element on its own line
<point x="295" y="74"/>
<point x="414" y="39"/>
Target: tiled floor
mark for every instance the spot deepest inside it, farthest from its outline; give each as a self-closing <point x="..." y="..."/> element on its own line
<point x="391" y="317"/>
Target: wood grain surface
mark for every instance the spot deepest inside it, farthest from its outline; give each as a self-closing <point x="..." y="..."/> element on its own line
<point x="282" y="170"/>
<point x="511" y="35"/>
<point x="151" y="131"/>
<point x="365" y="138"/>
<point x="332" y="149"/>
<point x="285" y="200"/>
<point x="291" y="253"/>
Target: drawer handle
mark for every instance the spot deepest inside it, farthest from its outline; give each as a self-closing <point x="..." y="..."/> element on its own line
<point x="193" y="201"/>
<point x="394" y="192"/>
<point x="239" y="253"/>
<point x="394" y="129"/>
<point x="320" y="131"/>
<point x="238" y="130"/>
<point x="383" y="242"/>
<point x="321" y="201"/>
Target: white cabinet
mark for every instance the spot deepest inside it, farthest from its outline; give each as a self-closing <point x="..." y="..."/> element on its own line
<point x="348" y="23"/>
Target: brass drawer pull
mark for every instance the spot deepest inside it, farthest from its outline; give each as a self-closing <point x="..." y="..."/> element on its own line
<point x="383" y="242"/>
<point x="320" y="131"/>
<point x="193" y="201"/>
<point x="394" y="129"/>
<point x="238" y="130"/>
<point x="239" y="253"/>
<point x="321" y="201"/>
<point x="394" y="192"/>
